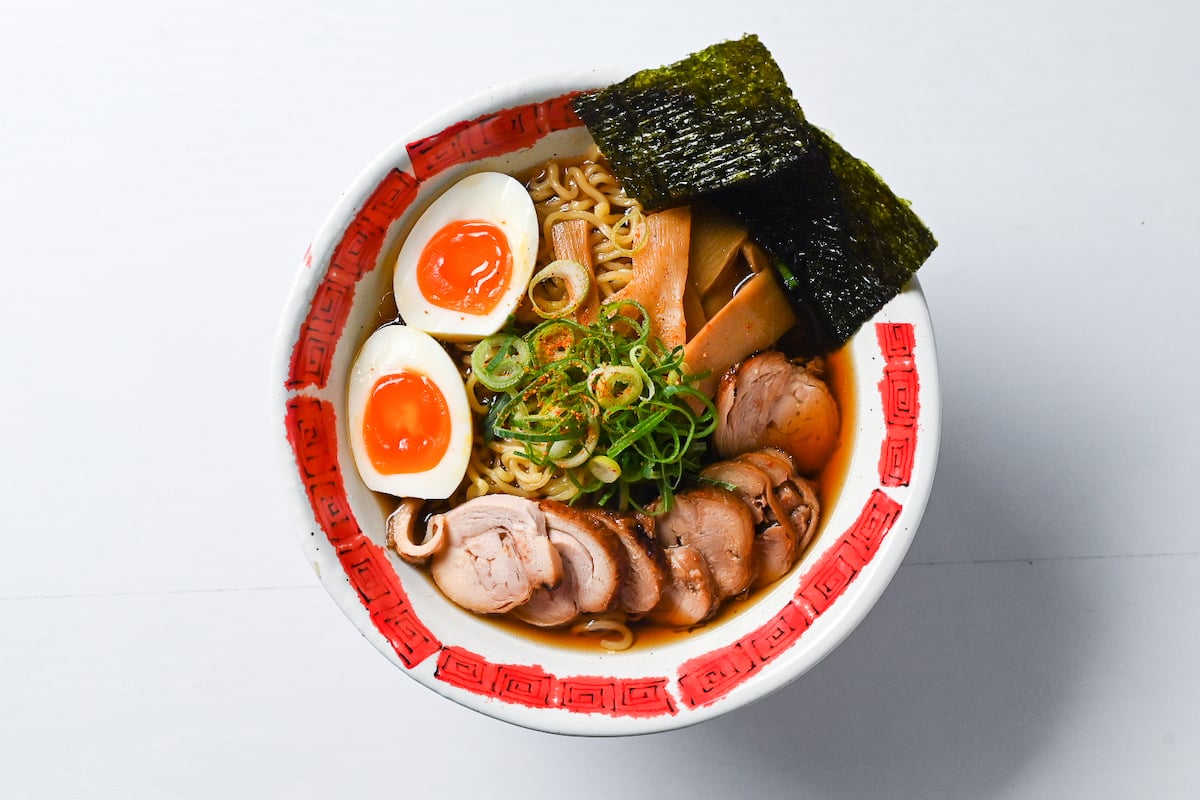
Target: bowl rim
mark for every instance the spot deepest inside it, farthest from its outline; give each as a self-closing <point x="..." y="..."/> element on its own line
<point x="825" y="632"/>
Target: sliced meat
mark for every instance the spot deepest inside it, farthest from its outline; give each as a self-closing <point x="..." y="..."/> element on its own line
<point x="775" y="463"/>
<point x="690" y="595"/>
<point x="719" y="526"/>
<point x="784" y="506"/>
<point x="551" y="608"/>
<point x="767" y="400"/>
<point x="593" y="561"/>
<point x="750" y="482"/>
<point x="781" y="473"/>
<point x="646" y="568"/>
<point x="495" y="553"/>
<point x="804" y="509"/>
<point x="589" y="551"/>
<point x="775" y="553"/>
<point x="796" y="496"/>
<point x="775" y="548"/>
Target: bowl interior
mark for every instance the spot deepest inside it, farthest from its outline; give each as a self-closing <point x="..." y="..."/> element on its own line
<point x="340" y="297"/>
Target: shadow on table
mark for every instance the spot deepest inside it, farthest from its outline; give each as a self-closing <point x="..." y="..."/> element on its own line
<point x="953" y="680"/>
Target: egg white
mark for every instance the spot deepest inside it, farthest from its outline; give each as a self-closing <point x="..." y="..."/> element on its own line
<point x="489" y="197"/>
<point x="390" y="350"/>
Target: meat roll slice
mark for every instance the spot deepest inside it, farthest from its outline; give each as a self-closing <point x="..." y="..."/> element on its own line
<point x="593" y="561"/>
<point x="494" y="553"/>
<point x="769" y="400"/>
<point x="690" y="595"/>
<point x="718" y="525"/>
<point x="796" y="499"/>
<point x="646" y="567"/>
<point x="783" y="504"/>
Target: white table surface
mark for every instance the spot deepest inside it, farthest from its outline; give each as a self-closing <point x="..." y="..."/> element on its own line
<point x="161" y="173"/>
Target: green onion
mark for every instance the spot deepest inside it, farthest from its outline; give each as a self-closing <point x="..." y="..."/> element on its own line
<point x="561" y="451"/>
<point x="639" y="431"/>
<point x="605" y="405"/>
<point x="604" y="468"/>
<point x="615" y="385"/>
<point x="614" y="317"/>
<point x="559" y="288"/>
<point x="500" y="361"/>
<point x="554" y="340"/>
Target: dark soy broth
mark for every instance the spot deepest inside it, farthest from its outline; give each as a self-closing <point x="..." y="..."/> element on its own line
<point x="839" y="375"/>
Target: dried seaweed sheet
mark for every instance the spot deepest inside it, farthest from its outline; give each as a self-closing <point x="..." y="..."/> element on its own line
<point x="722" y="124"/>
<point x="842" y="241"/>
<point x="712" y="120"/>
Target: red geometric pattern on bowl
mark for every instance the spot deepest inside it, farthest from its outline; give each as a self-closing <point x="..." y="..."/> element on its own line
<point x="312" y="433"/>
<point x="901" y="407"/>
<point x="534" y="687"/>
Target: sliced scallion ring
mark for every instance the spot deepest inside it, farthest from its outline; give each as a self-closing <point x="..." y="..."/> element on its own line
<point x="500" y="361"/>
<point x="560" y="452"/>
<point x="627" y="319"/>
<point x="604" y="468"/>
<point x="615" y="385"/>
<point x="559" y="288"/>
<point x="552" y="341"/>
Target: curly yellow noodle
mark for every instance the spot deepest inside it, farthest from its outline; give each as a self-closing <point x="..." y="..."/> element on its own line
<point x="588" y="190"/>
<point x="580" y="189"/>
<point x="529" y="476"/>
<point x="613" y="630"/>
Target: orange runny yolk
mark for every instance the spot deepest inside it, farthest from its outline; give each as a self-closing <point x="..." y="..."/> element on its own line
<point x="465" y="267"/>
<point x="406" y="424"/>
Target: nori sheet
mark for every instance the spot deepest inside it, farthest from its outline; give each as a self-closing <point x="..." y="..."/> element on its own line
<point x="842" y="241"/>
<point x="712" y="120"/>
<point x="723" y="125"/>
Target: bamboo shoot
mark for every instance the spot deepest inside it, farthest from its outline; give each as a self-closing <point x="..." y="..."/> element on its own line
<point x="660" y="270"/>
<point x="753" y="320"/>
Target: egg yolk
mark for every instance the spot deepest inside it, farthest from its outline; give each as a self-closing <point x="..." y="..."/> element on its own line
<point x="465" y="267"/>
<point x="406" y="424"/>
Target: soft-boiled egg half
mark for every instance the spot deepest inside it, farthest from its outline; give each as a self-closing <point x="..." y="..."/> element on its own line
<point x="410" y="425"/>
<point x="467" y="262"/>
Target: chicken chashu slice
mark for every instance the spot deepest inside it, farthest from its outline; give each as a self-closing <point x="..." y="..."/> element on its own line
<point x="718" y="525"/>
<point x="551" y="608"/>
<point x="690" y="595"/>
<point x="783" y="504"/>
<point x="770" y="401"/>
<point x="774" y="538"/>
<point x="795" y="495"/>
<point x="646" y="568"/>
<point x="495" y="553"/>
<point x="593" y="561"/>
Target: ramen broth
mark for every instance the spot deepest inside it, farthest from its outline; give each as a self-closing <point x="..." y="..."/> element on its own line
<point x="839" y="376"/>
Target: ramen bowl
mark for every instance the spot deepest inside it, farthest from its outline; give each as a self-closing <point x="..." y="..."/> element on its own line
<point x="890" y="443"/>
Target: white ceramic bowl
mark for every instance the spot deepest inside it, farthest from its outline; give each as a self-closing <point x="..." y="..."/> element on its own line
<point x="472" y="661"/>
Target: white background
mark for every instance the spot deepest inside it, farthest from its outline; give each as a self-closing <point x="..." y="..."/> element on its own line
<point x="161" y="173"/>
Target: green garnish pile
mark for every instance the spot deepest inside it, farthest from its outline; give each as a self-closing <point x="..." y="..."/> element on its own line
<point x="608" y="404"/>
